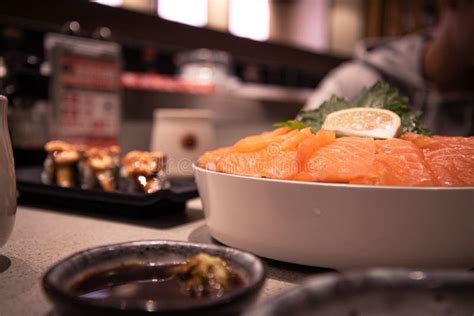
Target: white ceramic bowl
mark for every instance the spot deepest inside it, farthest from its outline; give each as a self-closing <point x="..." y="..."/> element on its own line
<point x="340" y="226"/>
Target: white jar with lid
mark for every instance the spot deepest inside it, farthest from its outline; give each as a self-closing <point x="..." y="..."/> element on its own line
<point x="183" y="135"/>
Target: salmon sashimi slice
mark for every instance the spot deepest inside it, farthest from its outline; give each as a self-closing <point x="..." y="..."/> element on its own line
<point x="284" y="165"/>
<point x="283" y="158"/>
<point x="245" y="164"/>
<point x="209" y="159"/>
<point x="451" y="159"/>
<point x="292" y="142"/>
<point x="413" y="160"/>
<point x="310" y="145"/>
<point x="269" y="162"/>
<point x="270" y="154"/>
<point x="398" y="162"/>
<point x="342" y="161"/>
<point x="257" y="142"/>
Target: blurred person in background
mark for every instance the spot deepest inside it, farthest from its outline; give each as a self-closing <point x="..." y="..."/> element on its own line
<point x="434" y="69"/>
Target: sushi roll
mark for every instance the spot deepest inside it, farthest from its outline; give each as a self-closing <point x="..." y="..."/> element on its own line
<point x="61" y="164"/>
<point x="145" y="170"/>
<point x="100" y="168"/>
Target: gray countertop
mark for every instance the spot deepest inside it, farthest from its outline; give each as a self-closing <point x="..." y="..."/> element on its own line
<point x="41" y="237"/>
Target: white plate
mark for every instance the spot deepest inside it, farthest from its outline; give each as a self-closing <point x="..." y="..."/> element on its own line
<point x="341" y="226"/>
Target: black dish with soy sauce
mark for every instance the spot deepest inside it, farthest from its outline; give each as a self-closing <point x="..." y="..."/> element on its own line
<point x="157" y="277"/>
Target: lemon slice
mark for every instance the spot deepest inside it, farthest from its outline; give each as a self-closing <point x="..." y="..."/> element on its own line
<point x="369" y="122"/>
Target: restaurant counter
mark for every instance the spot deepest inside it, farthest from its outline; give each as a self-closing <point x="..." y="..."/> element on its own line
<point x="41" y="237"/>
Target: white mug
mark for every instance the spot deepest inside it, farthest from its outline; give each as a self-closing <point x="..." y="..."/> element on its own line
<point x="7" y="177"/>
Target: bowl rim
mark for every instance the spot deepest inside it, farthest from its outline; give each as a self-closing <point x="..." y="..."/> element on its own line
<point x="54" y="290"/>
<point x="198" y="168"/>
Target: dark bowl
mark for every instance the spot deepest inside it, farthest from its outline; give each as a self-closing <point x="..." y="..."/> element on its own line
<point x="377" y="292"/>
<point x="59" y="280"/>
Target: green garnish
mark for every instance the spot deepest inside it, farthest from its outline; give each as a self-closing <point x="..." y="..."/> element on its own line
<point x="380" y="95"/>
<point x="294" y="124"/>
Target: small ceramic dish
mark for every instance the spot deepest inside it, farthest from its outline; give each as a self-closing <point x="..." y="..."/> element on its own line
<point x="377" y="292"/>
<point x="63" y="283"/>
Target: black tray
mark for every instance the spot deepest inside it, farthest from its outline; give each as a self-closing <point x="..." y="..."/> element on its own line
<point x="32" y="191"/>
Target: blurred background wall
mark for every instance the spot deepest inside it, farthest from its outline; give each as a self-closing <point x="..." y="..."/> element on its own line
<point x="332" y="26"/>
<point x="279" y="50"/>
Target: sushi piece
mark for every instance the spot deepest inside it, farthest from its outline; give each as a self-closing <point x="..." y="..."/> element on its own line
<point x="100" y="168"/>
<point x="61" y="164"/>
<point x="145" y="170"/>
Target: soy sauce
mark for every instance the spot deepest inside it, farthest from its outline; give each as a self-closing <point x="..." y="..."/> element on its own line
<point x="135" y="285"/>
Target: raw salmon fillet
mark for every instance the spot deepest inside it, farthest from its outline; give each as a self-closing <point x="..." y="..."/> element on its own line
<point x="344" y="160"/>
<point x="209" y="159"/>
<point x="451" y="159"/>
<point x="398" y="162"/>
<point x="282" y="162"/>
<point x="271" y="154"/>
<point x="270" y="162"/>
<point x="413" y="160"/>
<point x="257" y="142"/>
<point x="244" y="164"/>
<point x="310" y="145"/>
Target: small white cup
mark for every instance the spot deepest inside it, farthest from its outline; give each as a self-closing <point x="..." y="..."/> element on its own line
<point x="183" y="135"/>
